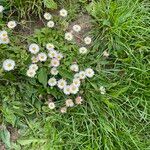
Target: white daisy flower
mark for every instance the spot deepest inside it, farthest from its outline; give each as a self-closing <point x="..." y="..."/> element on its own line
<point x="63" y="110"/>
<point x="77" y="76"/>
<point x="76" y="82"/>
<point x="69" y="103"/>
<point x="105" y="54"/>
<point x="102" y="90"/>
<point x="51" y="105"/>
<point x="31" y="73"/>
<point x="61" y="83"/>
<point x="35" y="59"/>
<point x="63" y="13"/>
<point x="52" y="81"/>
<point x="49" y="46"/>
<point x="82" y="75"/>
<point x="11" y="24"/>
<point x="87" y="40"/>
<point x="34" y="48"/>
<point x="76" y="28"/>
<point x="3" y="34"/>
<point x="73" y="89"/>
<point x="89" y="72"/>
<point x="74" y="67"/>
<point x="82" y="50"/>
<point x="68" y="36"/>
<point x="42" y="57"/>
<point x="79" y="100"/>
<point x="50" y="24"/>
<point x="4" y="40"/>
<point x="59" y="56"/>
<point x="47" y="16"/>
<point x="54" y="71"/>
<point x="8" y="64"/>
<point x="67" y="90"/>
<point x="33" y="67"/>
<point x="1" y="8"/>
<point x="55" y="62"/>
<point x="52" y="53"/>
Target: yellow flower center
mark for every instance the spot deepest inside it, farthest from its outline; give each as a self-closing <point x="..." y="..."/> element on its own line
<point x="9" y="65"/>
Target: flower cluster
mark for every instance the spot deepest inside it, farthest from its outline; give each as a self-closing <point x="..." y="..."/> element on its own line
<point x="54" y="57"/>
<point x="8" y="64"/>
<point x="69" y="36"/>
<point x="87" y="40"/>
<point x="72" y="88"/>
<point x="68" y="103"/>
<point x="4" y="39"/>
<point x="48" y="17"/>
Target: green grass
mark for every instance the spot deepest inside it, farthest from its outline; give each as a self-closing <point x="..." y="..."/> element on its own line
<point x="118" y="120"/>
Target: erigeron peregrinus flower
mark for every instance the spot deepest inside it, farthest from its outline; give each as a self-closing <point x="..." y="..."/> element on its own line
<point x="105" y="54"/>
<point x="50" y="24"/>
<point x="63" y="110"/>
<point x="4" y="40"/>
<point x="47" y="16"/>
<point x="82" y="50"/>
<point x="76" y="28"/>
<point x="51" y="105"/>
<point x="73" y="89"/>
<point x="76" y="82"/>
<point x="61" y="83"/>
<point x="42" y="57"/>
<point x="59" y="56"/>
<point x="1" y="8"/>
<point x="74" y="67"/>
<point x="3" y="34"/>
<point x="89" y="72"/>
<point x="82" y="75"/>
<point x="87" y="40"/>
<point x="68" y="36"/>
<point x="54" y="71"/>
<point x="50" y="46"/>
<point x="52" y="53"/>
<point x="33" y="67"/>
<point x="8" y="64"/>
<point x="102" y="90"/>
<point x="52" y="81"/>
<point x="31" y="73"/>
<point x="11" y="24"/>
<point x="63" y="13"/>
<point x="69" y="103"/>
<point x="35" y="59"/>
<point x="78" y="100"/>
<point x="34" y="48"/>
<point x="55" y="62"/>
<point x="67" y="90"/>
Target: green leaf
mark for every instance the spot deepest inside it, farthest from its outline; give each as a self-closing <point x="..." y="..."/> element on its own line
<point x="66" y="74"/>
<point x="30" y="141"/>
<point x="108" y="103"/>
<point x="9" y="116"/>
<point x="5" y="137"/>
<point x="50" y="4"/>
<point x="42" y="76"/>
<point x="119" y="92"/>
